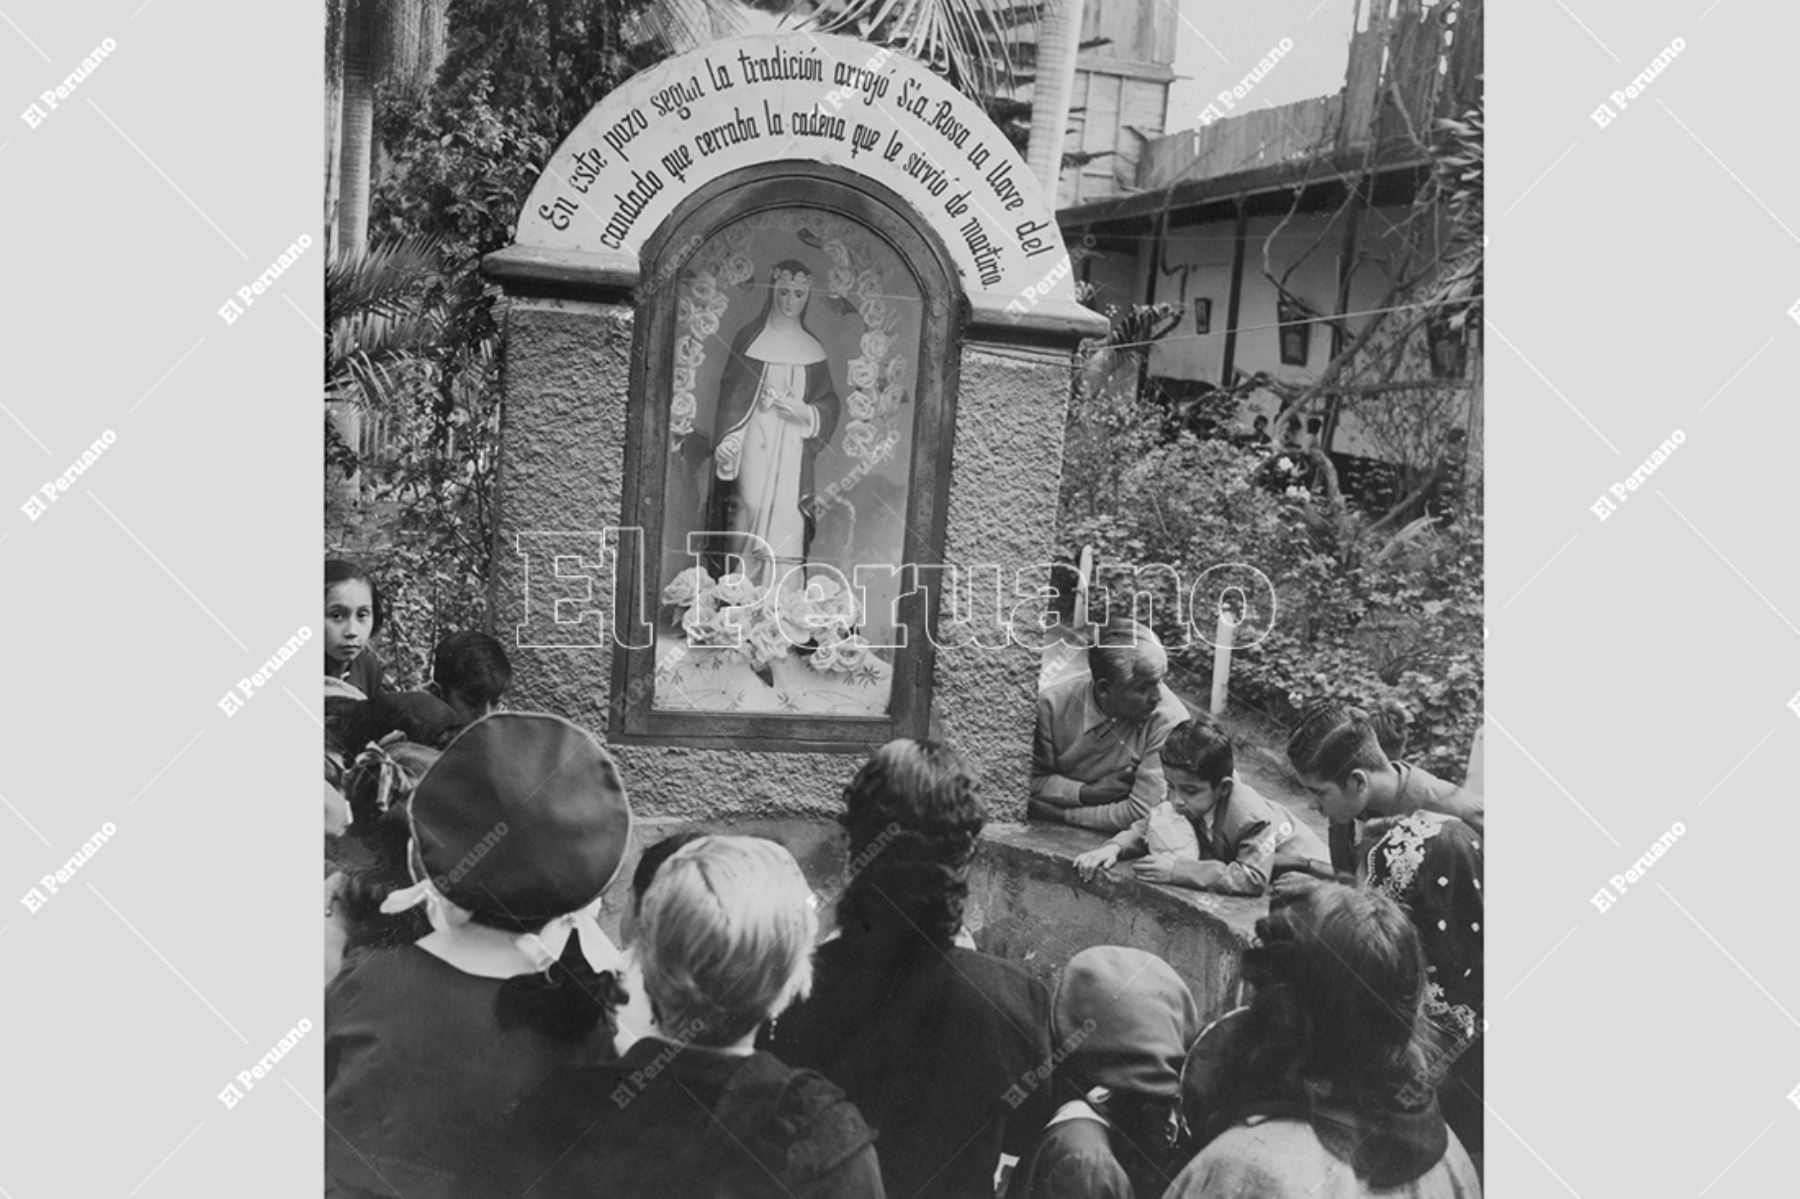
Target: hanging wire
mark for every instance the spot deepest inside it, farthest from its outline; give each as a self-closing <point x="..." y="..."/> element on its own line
<point x="1311" y="320"/>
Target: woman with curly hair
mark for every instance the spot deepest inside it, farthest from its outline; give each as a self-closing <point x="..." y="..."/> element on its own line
<point x="1322" y="1087"/>
<point x="937" y="1044"/>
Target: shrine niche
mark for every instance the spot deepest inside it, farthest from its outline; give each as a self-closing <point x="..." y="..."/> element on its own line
<point x="796" y="462"/>
<point x="789" y="328"/>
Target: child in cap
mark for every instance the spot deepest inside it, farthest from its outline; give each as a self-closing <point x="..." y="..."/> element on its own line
<point x="725" y="942"/>
<point x="517" y="829"/>
<point x="1124" y="1020"/>
<point x="1243" y="836"/>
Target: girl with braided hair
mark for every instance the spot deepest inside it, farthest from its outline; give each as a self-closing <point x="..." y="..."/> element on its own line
<point x="936" y="1043"/>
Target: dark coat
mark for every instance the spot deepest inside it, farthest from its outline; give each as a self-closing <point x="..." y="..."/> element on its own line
<point x="669" y="1121"/>
<point x="946" y="1052"/>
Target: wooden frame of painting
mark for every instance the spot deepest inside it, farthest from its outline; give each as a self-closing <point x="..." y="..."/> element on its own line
<point x="795" y="361"/>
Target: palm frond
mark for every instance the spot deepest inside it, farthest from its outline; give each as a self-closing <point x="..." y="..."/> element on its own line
<point x="381" y="277"/>
<point x="969" y="42"/>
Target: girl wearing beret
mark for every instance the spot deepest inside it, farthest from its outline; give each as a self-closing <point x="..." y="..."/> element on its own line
<point x="517" y="829"/>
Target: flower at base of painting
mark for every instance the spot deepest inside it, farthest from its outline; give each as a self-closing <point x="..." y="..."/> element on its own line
<point x="764" y="642"/>
<point x="860" y="406"/>
<point x="862" y="372"/>
<point x="684" y="379"/>
<point x="843" y="656"/>
<point x="703" y="624"/>
<point x="831" y="605"/>
<point x="687" y="586"/>
<point x="689" y="351"/>
<point x="896" y="371"/>
<point x="892" y="397"/>
<point x="875" y="345"/>
<point x="736" y="590"/>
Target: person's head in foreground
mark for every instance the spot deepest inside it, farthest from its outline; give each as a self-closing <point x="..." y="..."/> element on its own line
<point x="1342" y="756"/>
<point x="518" y="828"/>
<point x="470" y="672"/>
<point x="913" y="819"/>
<point x="1128" y="663"/>
<point x="725" y="940"/>
<point x="644" y="873"/>
<point x="1335" y="1050"/>
<point x="1128" y="1019"/>
<point x="1198" y="762"/>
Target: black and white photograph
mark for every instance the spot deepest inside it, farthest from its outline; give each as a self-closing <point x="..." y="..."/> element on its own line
<point x="1039" y="785"/>
<point x="908" y="603"/>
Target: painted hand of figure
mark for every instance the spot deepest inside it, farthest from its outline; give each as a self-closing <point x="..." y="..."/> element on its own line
<point x="792" y="408"/>
<point x="1095" y="860"/>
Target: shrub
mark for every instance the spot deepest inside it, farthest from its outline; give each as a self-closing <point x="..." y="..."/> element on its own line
<point x="1353" y="620"/>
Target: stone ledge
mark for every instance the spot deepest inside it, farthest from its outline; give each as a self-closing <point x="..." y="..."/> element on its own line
<point x="1050" y="851"/>
<point x="1026" y="903"/>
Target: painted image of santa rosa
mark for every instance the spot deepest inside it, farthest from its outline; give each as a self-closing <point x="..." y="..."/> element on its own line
<point x="778" y="407"/>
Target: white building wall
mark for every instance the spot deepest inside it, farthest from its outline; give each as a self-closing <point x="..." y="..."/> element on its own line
<point x="1196" y="264"/>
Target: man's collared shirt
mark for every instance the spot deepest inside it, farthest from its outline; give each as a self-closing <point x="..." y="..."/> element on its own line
<point x="1077" y="743"/>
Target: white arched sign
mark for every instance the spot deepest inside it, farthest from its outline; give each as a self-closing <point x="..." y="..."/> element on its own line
<point x="761" y="99"/>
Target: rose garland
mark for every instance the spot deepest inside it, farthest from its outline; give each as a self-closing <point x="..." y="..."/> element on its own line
<point x="768" y="627"/>
<point x="854" y="283"/>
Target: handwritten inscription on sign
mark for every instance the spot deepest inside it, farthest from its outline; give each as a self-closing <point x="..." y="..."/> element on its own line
<point x="762" y="99"/>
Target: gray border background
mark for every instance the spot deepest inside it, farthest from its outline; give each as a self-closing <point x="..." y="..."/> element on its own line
<point x="1640" y="667"/>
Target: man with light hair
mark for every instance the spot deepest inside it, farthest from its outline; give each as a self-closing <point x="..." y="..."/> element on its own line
<point x="1095" y="761"/>
<point x="725" y="939"/>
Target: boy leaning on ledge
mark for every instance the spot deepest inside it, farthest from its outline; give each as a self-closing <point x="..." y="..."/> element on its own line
<point x="1245" y="838"/>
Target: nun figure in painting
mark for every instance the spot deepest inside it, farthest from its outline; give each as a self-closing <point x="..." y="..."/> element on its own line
<point x="777" y="409"/>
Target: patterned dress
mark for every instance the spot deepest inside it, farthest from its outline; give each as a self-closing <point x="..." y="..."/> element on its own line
<point x="1431" y="865"/>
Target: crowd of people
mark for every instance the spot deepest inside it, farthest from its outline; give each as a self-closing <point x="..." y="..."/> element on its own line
<point x="486" y="1038"/>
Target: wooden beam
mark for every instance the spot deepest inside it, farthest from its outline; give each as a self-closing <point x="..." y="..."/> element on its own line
<point x="1346" y="265"/>
<point x="1237" y="287"/>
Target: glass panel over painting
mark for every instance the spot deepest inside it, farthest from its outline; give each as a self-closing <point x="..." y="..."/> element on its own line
<point x="797" y="335"/>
